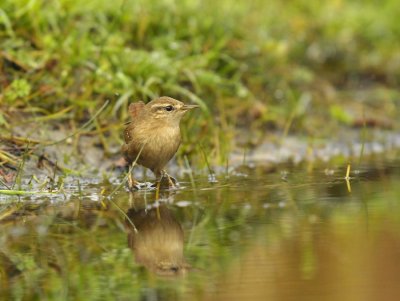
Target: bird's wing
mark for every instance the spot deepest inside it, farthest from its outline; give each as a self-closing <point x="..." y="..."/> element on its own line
<point x="135" y="109"/>
<point x="128" y="133"/>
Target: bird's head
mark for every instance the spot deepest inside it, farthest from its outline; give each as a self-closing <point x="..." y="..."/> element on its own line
<point x="167" y="109"/>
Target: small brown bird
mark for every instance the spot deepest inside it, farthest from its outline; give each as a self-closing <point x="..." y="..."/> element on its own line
<point x="153" y="136"/>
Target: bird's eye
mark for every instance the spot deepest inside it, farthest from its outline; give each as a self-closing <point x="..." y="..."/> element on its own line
<point x="169" y="108"/>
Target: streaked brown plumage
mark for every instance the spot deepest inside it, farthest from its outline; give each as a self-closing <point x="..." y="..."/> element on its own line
<point x="155" y="128"/>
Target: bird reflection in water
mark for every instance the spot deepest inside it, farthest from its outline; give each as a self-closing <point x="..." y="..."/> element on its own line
<point x="158" y="240"/>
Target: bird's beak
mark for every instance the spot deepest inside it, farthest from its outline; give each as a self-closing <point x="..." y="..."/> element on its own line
<point x="189" y="107"/>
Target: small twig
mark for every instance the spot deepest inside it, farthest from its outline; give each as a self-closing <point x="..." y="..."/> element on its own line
<point x="347" y="177"/>
<point x="210" y="170"/>
<point x="18" y="177"/>
<point x="191" y="172"/>
<point x="22" y="192"/>
<point x="363" y="137"/>
<point x="124" y="180"/>
<point x="5" y="184"/>
<point x="81" y="128"/>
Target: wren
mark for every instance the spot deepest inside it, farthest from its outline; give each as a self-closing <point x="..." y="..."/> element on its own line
<point x="153" y="136"/>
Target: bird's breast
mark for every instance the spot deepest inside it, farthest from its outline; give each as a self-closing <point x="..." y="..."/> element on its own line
<point x="159" y="146"/>
<point x="164" y="141"/>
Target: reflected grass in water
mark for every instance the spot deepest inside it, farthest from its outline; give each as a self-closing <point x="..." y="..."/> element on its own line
<point x="251" y="237"/>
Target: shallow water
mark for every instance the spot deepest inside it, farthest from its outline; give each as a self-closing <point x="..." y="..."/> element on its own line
<point x="291" y="234"/>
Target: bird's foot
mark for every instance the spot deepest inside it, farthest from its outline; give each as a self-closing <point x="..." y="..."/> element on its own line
<point x="172" y="181"/>
<point x="166" y="182"/>
<point x="133" y="185"/>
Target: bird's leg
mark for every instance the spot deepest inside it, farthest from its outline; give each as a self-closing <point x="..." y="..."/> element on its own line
<point x="164" y="180"/>
<point x="132" y="183"/>
<point x="159" y="177"/>
<point x="172" y="182"/>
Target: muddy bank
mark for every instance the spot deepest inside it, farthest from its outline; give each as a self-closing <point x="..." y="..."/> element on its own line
<point x="84" y="156"/>
<point x="296" y="149"/>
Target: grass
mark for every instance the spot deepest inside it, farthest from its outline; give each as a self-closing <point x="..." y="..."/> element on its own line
<point x="296" y="67"/>
<point x="289" y="66"/>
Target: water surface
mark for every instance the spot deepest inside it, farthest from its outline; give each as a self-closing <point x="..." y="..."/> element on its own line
<point x="291" y="234"/>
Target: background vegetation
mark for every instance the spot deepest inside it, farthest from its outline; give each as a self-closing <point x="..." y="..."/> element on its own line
<point x="296" y="66"/>
<point x="308" y="68"/>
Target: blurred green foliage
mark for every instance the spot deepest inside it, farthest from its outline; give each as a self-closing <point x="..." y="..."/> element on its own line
<point x="18" y="89"/>
<point x="247" y="63"/>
